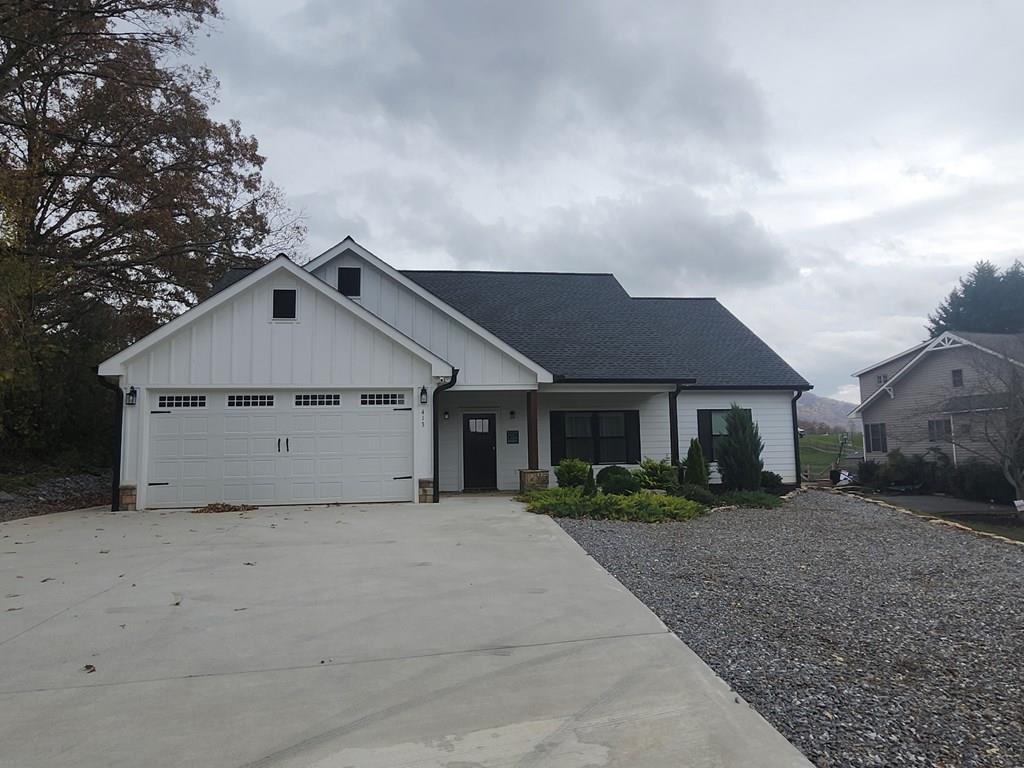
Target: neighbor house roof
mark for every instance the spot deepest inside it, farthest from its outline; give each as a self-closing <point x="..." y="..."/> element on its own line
<point x="585" y="327"/>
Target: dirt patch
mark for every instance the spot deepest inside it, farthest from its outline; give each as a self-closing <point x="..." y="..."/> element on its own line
<point x="222" y="507"/>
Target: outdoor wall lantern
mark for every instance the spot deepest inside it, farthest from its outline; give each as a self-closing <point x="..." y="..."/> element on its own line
<point x="131" y="397"/>
<point x="512" y="415"/>
<point x="445" y="416"/>
<point x="423" y="395"/>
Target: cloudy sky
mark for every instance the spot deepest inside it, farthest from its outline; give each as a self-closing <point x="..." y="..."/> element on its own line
<point x="827" y="170"/>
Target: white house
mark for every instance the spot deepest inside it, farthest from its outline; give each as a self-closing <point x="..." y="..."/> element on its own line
<point x="346" y="380"/>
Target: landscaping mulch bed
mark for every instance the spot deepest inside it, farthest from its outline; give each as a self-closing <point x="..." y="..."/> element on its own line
<point x="866" y="636"/>
<point x="57" y="494"/>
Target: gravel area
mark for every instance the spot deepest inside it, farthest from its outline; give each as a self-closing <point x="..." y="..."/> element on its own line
<point x="867" y="637"/>
<point x="55" y="495"/>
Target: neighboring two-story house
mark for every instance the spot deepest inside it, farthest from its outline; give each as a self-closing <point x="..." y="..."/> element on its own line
<point x="948" y="393"/>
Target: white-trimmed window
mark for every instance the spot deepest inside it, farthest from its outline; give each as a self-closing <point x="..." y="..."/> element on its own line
<point x="181" y="401"/>
<point x="250" y="401"/>
<point x="382" y="398"/>
<point x="317" y="399"/>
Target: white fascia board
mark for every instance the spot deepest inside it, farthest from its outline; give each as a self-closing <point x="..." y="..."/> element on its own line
<point x="543" y="375"/>
<point x="114" y="365"/>
<point x="898" y="355"/>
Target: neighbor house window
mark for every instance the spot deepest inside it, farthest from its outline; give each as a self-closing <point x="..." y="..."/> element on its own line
<point x="598" y="437"/>
<point x="350" y="281"/>
<point x="874" y="438"/>
<point x="882" y="378"/>
<point x="958" y="377"/>
<point x="711" y="431"/>
<point x="284" y="304"/>
<point x="939" y="430"/>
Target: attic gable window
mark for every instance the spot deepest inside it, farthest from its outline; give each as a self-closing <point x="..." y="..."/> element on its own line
<point x="284" y="304"/>
<point x="350" y="281"/>
<point x="958" y="377"/>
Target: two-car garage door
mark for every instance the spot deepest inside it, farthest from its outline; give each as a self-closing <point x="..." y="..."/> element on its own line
<point x="279" y="447"/>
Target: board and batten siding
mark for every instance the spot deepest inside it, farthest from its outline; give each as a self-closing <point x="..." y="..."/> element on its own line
<point x="239" y="347"/>
<point x="480" y="363"/>
<point x="919" y="396"/>
<point x="771" y="410"/>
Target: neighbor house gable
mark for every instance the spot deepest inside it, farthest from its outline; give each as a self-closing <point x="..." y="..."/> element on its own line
<point x="319" y="309"/>
<point x="483" y="358"/>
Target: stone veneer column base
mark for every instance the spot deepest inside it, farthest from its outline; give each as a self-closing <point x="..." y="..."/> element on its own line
<point x="126" y="497"/>
<point x="533" y="479"/>
<point x="426" y="490"/>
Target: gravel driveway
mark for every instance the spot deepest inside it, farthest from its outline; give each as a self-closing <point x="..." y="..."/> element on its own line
<point x="868" y="637"/>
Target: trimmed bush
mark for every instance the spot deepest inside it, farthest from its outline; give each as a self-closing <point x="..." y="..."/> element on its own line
<point x="696" y="472"/>
<point x="739" y="456"/>
<point x="639" y="507"/>
<point x="698" y="493"/>
<point x="571" y="473"/>
<point x="868" y="472"/>
<point x="756" y="499"/>
<point x="617" y="480"/>
<point x="658" y="475"/>
<point x="983" y="482"/>
<point x="771" y="481"/>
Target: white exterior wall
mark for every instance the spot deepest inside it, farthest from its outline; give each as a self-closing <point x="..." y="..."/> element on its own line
<point x="771" y="410"/>
<point x="238" y="346"/>
<point x="480" y="363"/>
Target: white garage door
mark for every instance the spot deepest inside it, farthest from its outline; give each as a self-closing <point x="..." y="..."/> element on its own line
<point x="280" y="447"/>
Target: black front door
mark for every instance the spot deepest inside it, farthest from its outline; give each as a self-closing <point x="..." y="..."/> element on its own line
<point x="479" y="452"/>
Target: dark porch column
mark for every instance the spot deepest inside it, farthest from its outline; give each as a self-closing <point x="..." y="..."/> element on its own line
<point x="532" y="450"/>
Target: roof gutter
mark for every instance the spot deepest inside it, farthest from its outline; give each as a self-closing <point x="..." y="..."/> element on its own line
<point x="796" y="438"/>
<point x="115" y="469"/>
<point x="437" y="444"/>
<point x="559" y="379"/>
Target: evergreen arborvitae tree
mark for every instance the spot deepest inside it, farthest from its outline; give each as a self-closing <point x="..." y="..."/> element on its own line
<point x="696" y="472"/>
<point x="739" y="456"/>
<point x="589" y="486"/>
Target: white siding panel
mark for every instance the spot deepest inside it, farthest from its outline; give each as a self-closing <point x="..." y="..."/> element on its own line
<point x="771" y="410"/>
<point x="479" y="361"/>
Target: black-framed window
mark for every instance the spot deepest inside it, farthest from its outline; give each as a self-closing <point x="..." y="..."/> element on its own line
<point x="958" y="377"/>
<point x="598" y="437"/>
<point x="712" y="430"/>
<point x="350" y="281"/>
<point x="284" y="304"/>
<point x="874" y="438"/>
<point x="939" y="430"/>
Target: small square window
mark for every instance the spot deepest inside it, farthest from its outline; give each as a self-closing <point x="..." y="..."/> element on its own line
<point x="350" y="281"/>
<point x="958" y="377"/>
<point x="284" y="304"/>
<point x="882" y="378"/>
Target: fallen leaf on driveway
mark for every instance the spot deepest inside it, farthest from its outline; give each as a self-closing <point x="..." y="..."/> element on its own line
<point x="177" y="598"/>
<point x="48" y="578"/>
<point x="89" y="669"/>
<point x="104" y="551"/>
<point x="15" y="609"/>
<point x="248" y="563"/>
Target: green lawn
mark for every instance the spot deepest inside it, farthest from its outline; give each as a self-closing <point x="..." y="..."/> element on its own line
<point x="818" y="452"/>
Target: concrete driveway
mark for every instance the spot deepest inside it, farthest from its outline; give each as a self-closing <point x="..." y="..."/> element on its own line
<point x="464" y="634"/>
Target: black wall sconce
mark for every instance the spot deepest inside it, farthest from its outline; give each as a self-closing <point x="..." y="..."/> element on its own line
<point x="131" y="397"/>
<point x="512" y="415"/>
<point x="446" y="416"/>
<point x="423" y="395"/>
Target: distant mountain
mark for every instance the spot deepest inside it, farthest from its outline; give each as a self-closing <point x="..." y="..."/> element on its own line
<point x="825" y="410"/>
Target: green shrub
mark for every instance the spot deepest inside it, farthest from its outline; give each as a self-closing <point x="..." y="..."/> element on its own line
<point x="749" y="499"/>
<point x="696" y="472"/>
<point x="984" y="482"/>
<point x="739" y="454"/>
<point x="589" y="486"/>
<point x="618" y="480"/>
<point x="658" y="475"/>
<point x="571" y="473"/>
<point x="698" y="493"/>
<point x="771" y="481"/>
<point x="640" y="507"/>
<point x="868" y="472"/>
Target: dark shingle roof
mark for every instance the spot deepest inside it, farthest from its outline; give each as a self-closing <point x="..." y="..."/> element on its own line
<point x="586" y="327"/>
<point x="229" y="278"/>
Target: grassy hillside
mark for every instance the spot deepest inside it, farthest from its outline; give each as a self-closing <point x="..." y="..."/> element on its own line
<point x="817" y="452"/>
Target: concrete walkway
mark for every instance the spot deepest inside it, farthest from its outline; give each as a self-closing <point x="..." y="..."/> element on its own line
<point x="464" y="634"/>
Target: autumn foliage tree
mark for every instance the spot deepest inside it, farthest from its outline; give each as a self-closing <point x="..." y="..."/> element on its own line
<point x="121" y="198"/>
